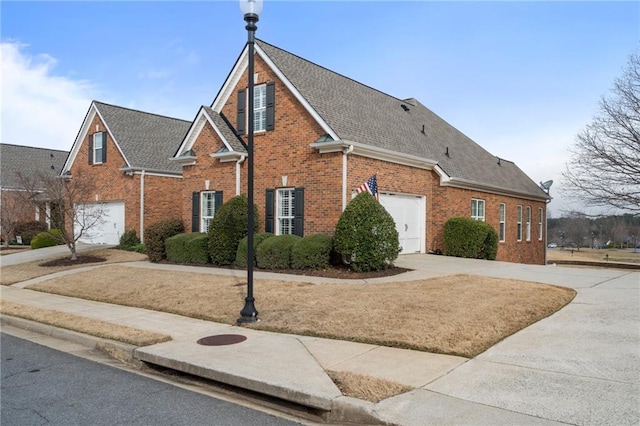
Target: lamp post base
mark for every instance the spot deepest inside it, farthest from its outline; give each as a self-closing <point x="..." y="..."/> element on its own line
<point x="249" y="313"/>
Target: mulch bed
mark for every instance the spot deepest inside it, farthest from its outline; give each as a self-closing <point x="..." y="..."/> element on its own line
<point x="66" y="261"/>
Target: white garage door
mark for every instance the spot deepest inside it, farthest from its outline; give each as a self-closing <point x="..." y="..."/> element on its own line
<point x="109" y="229"/>
<point x="408" y="211"/>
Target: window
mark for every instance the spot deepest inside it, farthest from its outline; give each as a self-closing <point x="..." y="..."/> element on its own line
<point x="528" y="227"/>
<point x="519" y="226"/>
<point x="260" y="108"/>
<point x="207" y="209"/>
<point x="502" y="214"/>
<point x="98" y="154"/>
<point x="477" y="209"/>
<point x="540" y="224"/>
<point x="286" y="214"/>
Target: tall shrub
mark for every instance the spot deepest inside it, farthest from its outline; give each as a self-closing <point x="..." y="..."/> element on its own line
<point x="465" y="237"/>
<point x="366" y="235"/>
<point x="227" y="228"/>
<point x="156" y="234"/>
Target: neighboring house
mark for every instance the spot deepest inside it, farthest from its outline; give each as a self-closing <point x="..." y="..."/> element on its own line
<point x="17" y="164"/>
<point x="128" y="152"/>
<point x="320" y="135"/>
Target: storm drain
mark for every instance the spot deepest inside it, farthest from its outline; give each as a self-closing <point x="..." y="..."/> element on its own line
<point x="222" y="340"/>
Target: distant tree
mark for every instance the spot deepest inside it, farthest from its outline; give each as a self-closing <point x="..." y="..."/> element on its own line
<point x="67" y="196"/>
<point x="604" y="169"/>
<point x="12" y="210"/>
<point x="577" y="228"/>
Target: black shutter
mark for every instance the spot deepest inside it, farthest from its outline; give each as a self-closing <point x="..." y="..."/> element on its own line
<point x="104" y="147"/>
<point x="242" y="100"/>
<point x="90" y="149"/>
<point x="217" y="201"/>
<point x="298" y="212"/>
<point x="268" y="216"/>
<point x="195" y="212"/>
<point x="271" y="105"/>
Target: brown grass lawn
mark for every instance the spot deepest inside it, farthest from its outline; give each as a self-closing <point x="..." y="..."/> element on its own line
<point x="459" y="314"/>
<point x="26" y="271"/>
<point x="594" y="255"/>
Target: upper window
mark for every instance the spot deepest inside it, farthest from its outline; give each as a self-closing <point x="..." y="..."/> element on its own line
<point x="528" y="227"/>
<point x="98" y="148"/>
<point x="540" y="224"/>
<point x="207" y="209"/>
<point x="477" y="209"/>
<point x="503" y="215"/>
<point x="519" y="223"/>
<point x="260" y="108"/>
<point x="286" y="214"/>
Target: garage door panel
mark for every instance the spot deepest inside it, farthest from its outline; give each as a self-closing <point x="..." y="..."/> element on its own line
<point x="408" y="213"/>
<point x="109" y="228"/>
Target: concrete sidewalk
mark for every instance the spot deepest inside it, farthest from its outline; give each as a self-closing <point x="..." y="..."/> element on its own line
<point x="579" y="366"/>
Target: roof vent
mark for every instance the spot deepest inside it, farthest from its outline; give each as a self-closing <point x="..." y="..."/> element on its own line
<point x="422" y="131"/>
<point x="447" y="152"/>
<point x="404" y="107"/>
<point x="499" y="161"/>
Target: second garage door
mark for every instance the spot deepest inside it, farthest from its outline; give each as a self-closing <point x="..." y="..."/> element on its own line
<point x="110" y="228"/>
<point x="408" y="211"/>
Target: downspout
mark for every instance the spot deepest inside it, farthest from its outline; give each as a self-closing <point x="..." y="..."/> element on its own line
<point x="345" y="153"/>
<point x="142" y="205"/>
<point x="238" y="163"/>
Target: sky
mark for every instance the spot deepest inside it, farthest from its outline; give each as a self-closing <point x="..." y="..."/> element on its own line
<point x="521" y="79"/>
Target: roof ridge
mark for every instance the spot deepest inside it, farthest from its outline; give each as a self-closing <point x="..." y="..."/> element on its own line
<point x="140" y="111"/>
<point x="33" y="147"/>
<point x="331" y="71"/>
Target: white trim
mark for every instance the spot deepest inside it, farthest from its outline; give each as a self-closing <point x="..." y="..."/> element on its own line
<point x="236" y="73"/>
<point x="238" y="168"/>
<point x="345" y="153"/>
<point x="141" y="233"/>
<point x="190" y="139"/>
<point x="147" y="172"/>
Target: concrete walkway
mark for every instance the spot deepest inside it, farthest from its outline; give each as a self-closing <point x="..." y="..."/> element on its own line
<point x="579" y="366"/>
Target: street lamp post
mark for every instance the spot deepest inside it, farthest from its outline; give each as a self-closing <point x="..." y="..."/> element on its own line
<point x="251" y="10"/>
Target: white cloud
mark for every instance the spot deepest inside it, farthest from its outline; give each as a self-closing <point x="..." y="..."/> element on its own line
<point x="39" y="108"/>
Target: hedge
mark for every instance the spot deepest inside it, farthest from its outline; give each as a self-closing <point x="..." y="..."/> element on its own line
<point x="275" y="252"/>
<point x="312" y="252"/>
<point x="50" y="238"/>
<point x="156" y="234"/>
<point x="474" y="239"/>
<point x="188" y="248"/>
<point x="241" y="254"/>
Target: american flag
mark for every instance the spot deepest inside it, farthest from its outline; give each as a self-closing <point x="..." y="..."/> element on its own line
<point x="371" y="186"/>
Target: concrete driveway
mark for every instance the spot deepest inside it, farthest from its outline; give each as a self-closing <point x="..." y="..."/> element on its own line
<point x="27" y="255"/>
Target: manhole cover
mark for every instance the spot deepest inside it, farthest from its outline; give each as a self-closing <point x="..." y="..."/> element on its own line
<point x="222" y="340"/>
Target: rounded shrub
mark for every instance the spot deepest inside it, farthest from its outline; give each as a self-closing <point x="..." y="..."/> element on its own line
<point x="474" y="239"/>
<point x="156" y="234"/>
<point x="128" y="240"/>
<point x="312" y="252"/>
<point x="28" y="230"/>
<point x="275" y="252"/>
<point x="188" y="248"/>
<point x="50" y="238"/>
<point x="366" y="235"/>
<point x="242" y="253"/>
<point x="227" y="228"/>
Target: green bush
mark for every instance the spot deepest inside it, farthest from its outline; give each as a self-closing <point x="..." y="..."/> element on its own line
<point x="227" y="228"/>
<point x="139" y="248"/>
<point x="366" y="235"/>
<point x="156" y="234"/>
<point x="241" y="254"/>
<point x="28" y="230"/>
<point x="312" y="252"/>
<point x="128" y="240"/>
<point x="275" y="252"/>
<point x="50" y="238"/>
<point x="188" y="248"/>
<point x="473" y="239"/>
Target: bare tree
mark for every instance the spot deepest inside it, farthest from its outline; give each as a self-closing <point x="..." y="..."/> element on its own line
<point x="12" y="210"/>
<point x="604" y="169"/>
<point x="70" y="201"/>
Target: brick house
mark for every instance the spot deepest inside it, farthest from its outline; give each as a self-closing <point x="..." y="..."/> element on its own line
<point x="26" y="161"/>
<point x="128" y="153"/>
<point x="320" y="135"/>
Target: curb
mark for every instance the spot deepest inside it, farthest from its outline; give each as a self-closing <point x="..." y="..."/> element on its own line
<point x="615" y="265"/>
<point x="342" y="409"/>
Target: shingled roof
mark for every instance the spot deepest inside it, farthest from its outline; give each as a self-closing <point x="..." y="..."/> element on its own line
<point x="358" y="113"/>
<point x="28" y="161"/>
<point x="146" y="140"/>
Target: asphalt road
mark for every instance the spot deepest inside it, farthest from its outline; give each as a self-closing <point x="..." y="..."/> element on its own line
<point x="41" y="386"/>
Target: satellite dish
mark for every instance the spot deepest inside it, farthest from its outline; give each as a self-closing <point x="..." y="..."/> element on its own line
<point x="546" y="185"/>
